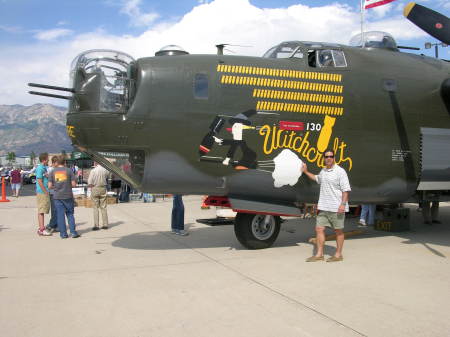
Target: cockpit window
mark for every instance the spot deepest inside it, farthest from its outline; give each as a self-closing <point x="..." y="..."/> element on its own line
<point x="339" y="58"/>
<point x="326" y="58"/>
<point x="201" y="86"/>
<point x="284" y="50"/>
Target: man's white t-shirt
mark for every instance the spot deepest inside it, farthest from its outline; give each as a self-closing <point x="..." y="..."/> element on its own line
<point x="333" y="182"/>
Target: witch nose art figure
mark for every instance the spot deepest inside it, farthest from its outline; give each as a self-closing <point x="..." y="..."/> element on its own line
<point x="239" y="123"/>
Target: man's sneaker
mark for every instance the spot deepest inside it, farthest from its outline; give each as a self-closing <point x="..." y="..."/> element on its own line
<point x="64" y="236"/>
<point x="44" y="232"/>
<point x="50" y="229"/>
<point x="182" y="232"/>
<point x="362" y="223"/>
<point x="95" y="228"/>
<point x="74" y="236"/>
<point x="174" y="231"/>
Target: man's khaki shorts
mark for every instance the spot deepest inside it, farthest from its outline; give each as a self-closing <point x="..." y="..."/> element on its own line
<point x="330" y="219"/>
<point x="43" y="203"/>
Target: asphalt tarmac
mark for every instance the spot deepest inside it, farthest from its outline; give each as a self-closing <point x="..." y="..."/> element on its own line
<point x="137" y="279"/>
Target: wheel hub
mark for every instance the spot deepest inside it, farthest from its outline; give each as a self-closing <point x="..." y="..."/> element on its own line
<point x="263" y="226"/>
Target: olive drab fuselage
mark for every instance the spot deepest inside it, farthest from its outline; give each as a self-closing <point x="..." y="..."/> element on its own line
<point x="242" y="126"/>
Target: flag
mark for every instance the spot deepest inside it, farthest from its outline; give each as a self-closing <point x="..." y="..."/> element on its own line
<point x="376" y="3"/>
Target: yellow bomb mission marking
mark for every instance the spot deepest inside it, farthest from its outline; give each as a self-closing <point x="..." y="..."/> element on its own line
<point x="288" y="73"/>
<point x="285" y="84"/>
<point x="302" y="108"/>
<point x="298" y="96"/>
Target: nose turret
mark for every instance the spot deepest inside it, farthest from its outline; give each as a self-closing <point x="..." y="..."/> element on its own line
<point x="101" y="81"/>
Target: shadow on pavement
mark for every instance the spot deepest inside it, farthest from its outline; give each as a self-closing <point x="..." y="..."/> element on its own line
<point x="89" y="229"/>
<point x="292" y="233"/>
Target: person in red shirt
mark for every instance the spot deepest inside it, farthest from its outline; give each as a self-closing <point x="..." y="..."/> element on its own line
<point x="16" y="181"/>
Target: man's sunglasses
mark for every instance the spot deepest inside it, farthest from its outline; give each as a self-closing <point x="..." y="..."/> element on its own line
<point x="329" y="156"/>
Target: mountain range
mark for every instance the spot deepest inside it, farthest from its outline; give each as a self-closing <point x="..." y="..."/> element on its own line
<point x="36" y="128"/>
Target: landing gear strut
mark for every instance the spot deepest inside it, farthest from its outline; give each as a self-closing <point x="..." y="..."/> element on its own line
<point x="256" y="231"/>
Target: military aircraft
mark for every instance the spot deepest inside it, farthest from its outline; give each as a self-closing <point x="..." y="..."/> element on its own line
<point x="239" y="128"/>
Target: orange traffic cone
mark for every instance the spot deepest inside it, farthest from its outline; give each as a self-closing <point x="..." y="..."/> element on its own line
<point x="4" y="191"/>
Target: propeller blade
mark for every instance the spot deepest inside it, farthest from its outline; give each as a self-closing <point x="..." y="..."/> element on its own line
<point x="434" y="23"/>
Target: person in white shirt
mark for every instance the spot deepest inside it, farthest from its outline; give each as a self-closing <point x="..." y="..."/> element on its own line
<point x="333" y="203"/>
<point x="97" y="182"/>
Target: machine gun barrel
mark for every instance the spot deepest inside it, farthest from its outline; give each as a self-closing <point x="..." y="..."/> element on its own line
<point x="44" y="86"/>
<point x="406" y="47"/>
<point x="49" y="95"/>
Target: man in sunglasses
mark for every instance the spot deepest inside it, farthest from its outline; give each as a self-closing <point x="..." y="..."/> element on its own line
<point x="333" y="203"/>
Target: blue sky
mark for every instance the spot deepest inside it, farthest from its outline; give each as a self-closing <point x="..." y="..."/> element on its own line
<point x="39" y="38"/>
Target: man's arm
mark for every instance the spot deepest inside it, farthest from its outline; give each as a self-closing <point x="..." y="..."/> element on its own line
<point x="73" y="179"/>
<point x="50" y="181"/>
<point x="91" y="179"/>
<point x="343" y="202"/>
<point x="41" y="185"/>
<point x="309" y="174"/>
<point x="40" y="181"/>
<point x="345" y="187"/>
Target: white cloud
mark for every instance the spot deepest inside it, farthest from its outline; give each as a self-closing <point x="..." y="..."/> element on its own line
<point x="398" y="27"/>
<point x="444" y="4"/>
<point x="380" y="11"/>
<point x="137" y="17"/>
<point x="221" y="21"/>
<point x="52" y="34"/>
<point x="10" y="29"/>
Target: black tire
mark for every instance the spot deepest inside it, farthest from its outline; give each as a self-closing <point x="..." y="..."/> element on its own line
<point x="254" y="233"/>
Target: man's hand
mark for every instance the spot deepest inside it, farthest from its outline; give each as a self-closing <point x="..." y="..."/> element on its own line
<point x="341" y="209"/>
<point x="307" y="173"/>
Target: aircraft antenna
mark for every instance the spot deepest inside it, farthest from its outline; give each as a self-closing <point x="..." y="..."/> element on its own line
<point x="221" y="47"/>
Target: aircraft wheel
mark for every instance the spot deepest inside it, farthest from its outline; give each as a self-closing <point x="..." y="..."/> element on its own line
<point x="256" y="231"/>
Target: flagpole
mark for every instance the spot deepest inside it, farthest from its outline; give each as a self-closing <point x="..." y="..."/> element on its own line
<point x="362" y="23"/>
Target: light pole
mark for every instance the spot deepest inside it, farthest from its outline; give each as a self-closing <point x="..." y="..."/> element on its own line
<point x="428" y="45"/>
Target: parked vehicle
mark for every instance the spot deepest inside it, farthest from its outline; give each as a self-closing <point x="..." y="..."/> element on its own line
<point x="29" y="178"/>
